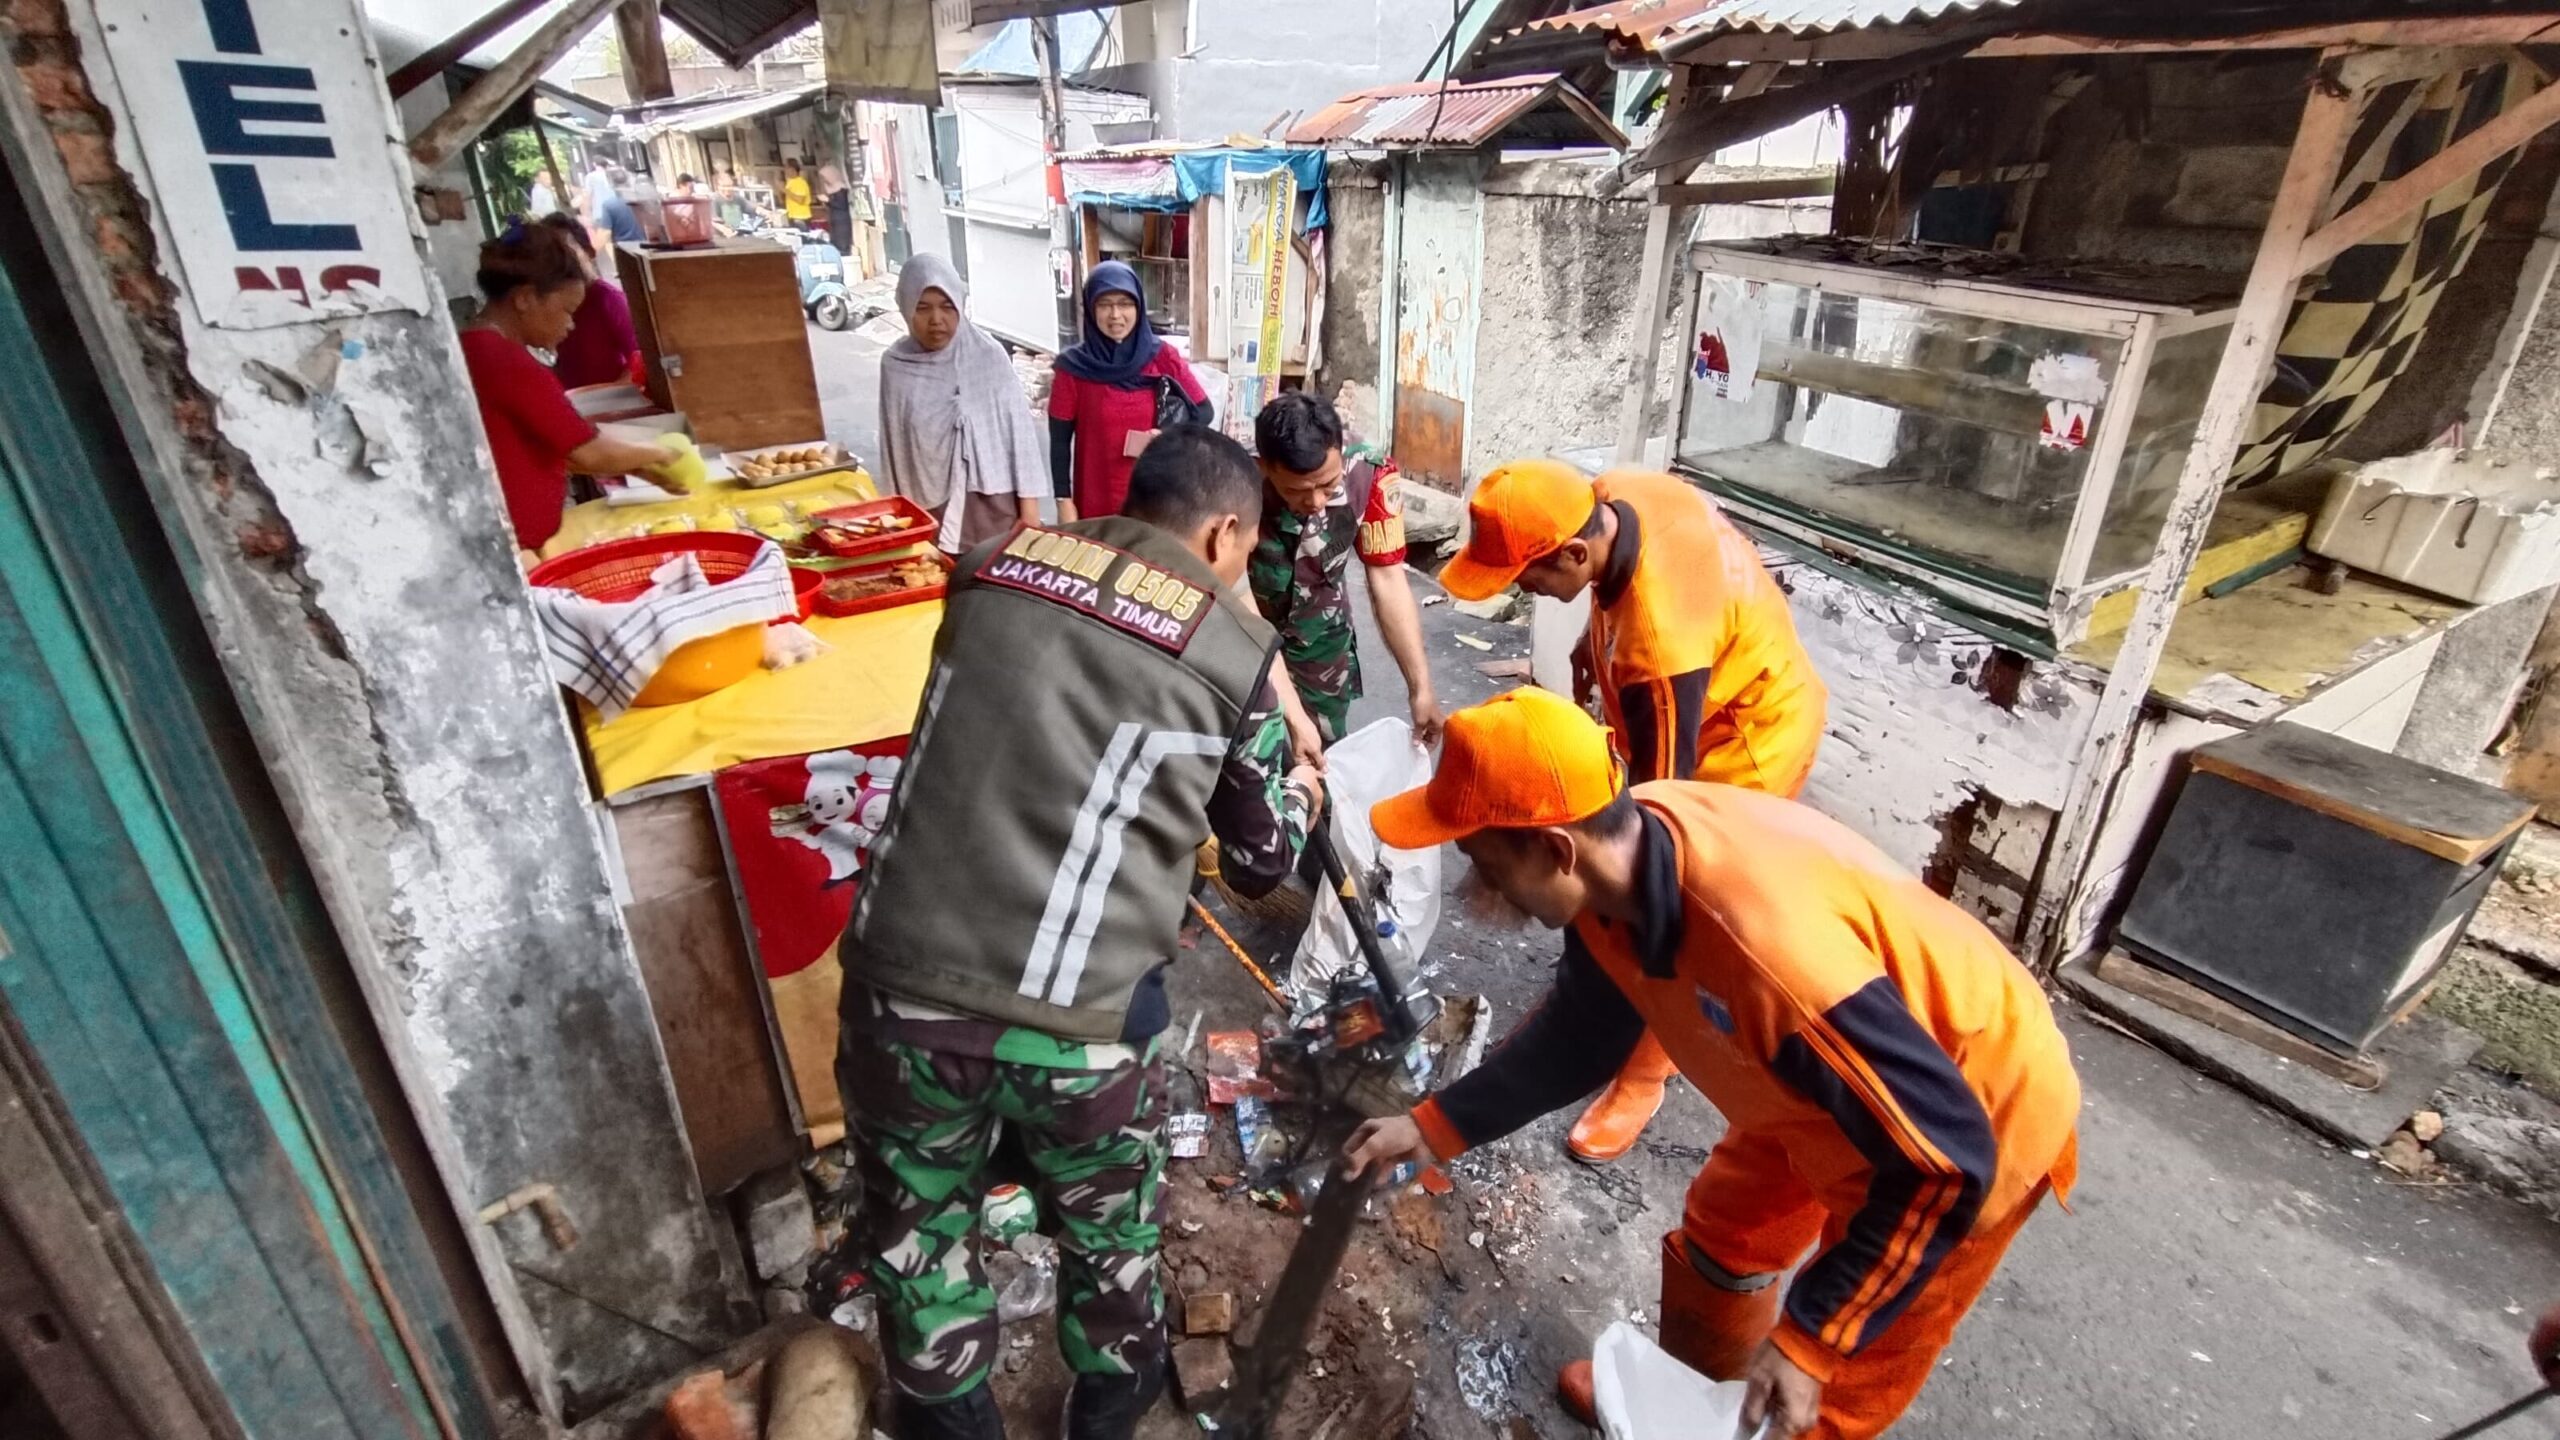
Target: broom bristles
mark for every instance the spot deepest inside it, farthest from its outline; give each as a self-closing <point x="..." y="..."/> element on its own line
<point x="1289" y="903"/>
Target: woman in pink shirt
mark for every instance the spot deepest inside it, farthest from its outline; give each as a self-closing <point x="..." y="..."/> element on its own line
<point x="1103" y="398"/>
<point x="603" y="346"/>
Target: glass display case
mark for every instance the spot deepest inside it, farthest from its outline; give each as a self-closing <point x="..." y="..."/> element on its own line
<point x="2007" y="432"/>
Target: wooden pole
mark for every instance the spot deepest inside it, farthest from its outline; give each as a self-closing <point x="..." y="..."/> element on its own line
<point x="2395" y="200"/>
<point x="1662" y="236"/>
<point x="436" y="59"/>
<point x="551" y="164"/>
<point x="1053" y="143"/>
<point x="2328" y="116"/>
<point x="495" y="90"/>
<point x="644" y="51"/>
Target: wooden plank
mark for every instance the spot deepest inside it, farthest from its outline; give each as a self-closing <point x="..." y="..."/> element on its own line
<point x="438" y="58"/>
<point x="2448" y="816"/>
<point x="2328" y="117"/>
<point x="2249" y="528"/>
<point x="2451" y="30"/>
<point x="644" y="51"/>
<point x="704" y="988"/>
<point x="725" y="341"/>
<point x="2396" y="200"/>
<point x="503" y="83"/>
<point x="1739" y="192"/>
<point x="2196" y="1003"/>
<point x="1661" y="259"/>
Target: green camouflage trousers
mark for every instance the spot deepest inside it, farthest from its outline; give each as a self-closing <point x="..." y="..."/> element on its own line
<point x="923" y="1122"/>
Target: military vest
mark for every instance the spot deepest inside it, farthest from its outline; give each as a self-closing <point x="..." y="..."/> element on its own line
<point x="1088" y="683"/>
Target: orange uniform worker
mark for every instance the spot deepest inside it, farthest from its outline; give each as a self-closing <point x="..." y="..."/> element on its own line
<point x="1700" y="674"/>
<point x="1899" y="1096"/>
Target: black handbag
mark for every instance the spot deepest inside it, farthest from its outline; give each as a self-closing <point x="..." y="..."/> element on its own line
<point x="1172" y="406"/>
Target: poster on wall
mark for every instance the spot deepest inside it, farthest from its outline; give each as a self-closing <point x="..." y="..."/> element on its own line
<point x="268" y="141"/>
<point x="1260" y="211"/>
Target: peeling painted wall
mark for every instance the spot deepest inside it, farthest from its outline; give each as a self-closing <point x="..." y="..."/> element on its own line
<point x="1354" y="266"/>
<point x="1560" y="265"/>
<point x="1927" y="718"/>
<point x="327" y="481"/>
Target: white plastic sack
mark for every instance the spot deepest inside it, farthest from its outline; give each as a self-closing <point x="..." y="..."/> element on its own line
<point x="1644" y="1394"/>
<point x="1364" y="767"/>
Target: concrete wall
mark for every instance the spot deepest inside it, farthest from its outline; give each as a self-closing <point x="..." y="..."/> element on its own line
<point x="1233" y="66"/>
<point x="1355" y="261"/>
<point x="323" y="478"/>
<point x="1560" y="268"/>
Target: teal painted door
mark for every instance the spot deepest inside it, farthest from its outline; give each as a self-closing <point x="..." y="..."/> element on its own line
<point x="153" y="962"/>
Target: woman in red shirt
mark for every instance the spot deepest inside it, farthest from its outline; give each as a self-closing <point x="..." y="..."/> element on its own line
<point x="532" y="280"/>
<point x="1102" y="399"/>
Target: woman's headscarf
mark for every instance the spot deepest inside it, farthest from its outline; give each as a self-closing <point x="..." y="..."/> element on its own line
<point x="1098" y="357"/>
<point x="954" y="421"/>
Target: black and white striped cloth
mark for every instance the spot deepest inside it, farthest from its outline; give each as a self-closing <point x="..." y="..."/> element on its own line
<point x="608" y="651"/>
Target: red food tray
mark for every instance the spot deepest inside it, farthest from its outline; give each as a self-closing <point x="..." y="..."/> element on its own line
<point x="894" y="599"/>
<point x="919" y="527"/>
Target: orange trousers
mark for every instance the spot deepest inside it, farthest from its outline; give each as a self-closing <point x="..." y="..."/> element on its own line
<point x="1750" y="1214"/>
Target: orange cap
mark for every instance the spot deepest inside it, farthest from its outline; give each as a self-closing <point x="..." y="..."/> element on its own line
<point x="1520" y="514"/>
<point x="1526" y="758"/>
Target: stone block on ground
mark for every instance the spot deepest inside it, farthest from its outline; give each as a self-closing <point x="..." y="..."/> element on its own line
<point x="1211" y="1314"/>
<point x="1432" y="518"/>
<point x="1504" y="608"/>
<point x="782" y="1226"/>
<point x="1203" y="1371"/>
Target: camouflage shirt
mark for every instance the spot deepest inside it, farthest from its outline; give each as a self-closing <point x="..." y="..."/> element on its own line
<point x="1260" y="817"/>
<point x="1298" y="573"/>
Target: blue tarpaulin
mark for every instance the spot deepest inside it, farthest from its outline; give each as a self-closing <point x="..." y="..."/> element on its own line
<point x="1194" y="173"/>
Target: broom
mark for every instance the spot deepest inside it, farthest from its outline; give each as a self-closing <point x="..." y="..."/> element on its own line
<point x="1291" y="904"/>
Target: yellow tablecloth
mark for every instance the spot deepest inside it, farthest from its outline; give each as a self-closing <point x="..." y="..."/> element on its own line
<point x="866" y="687"/>
<point x="718" y="506"/>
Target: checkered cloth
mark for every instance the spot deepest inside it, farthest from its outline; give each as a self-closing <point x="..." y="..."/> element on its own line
<point x="607" y="650"/>
<point x="2347" y="341"/>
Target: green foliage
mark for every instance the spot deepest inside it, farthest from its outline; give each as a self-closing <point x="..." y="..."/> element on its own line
<point x="515" y="162"/>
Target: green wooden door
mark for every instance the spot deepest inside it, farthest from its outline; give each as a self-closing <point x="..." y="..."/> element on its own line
<point x="155" y="950"/>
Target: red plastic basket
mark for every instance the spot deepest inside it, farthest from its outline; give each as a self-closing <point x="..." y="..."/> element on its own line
<point x="919" y="528"/>
<point x="620" y="569"/>
<point x="890" y="601"/>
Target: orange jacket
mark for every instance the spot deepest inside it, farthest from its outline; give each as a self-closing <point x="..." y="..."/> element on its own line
<point x="1906" y="1063"/>
<point x="1686" y="600"/>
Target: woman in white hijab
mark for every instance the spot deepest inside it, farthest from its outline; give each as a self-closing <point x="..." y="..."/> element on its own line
<point x="956" y="432"/>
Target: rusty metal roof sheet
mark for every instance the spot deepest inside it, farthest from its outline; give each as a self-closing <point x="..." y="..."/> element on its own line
<point x="1646" y="23"/>
<point x="1458" y="116"/>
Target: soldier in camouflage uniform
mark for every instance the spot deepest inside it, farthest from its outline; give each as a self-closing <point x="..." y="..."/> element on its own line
<point x="1099" y="704"/>
<point x="1317" y="511"/>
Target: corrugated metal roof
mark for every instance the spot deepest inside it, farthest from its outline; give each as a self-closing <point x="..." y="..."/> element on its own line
<point x="1648" y="22"/>
<point x="1427" y="114"/>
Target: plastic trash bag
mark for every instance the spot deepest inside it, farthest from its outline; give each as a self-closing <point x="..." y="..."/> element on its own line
<point x="1644" y="1394"/>
<point x="1364" y="767"/>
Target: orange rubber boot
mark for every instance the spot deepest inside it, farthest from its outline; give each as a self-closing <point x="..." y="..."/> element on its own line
<point x="1707" y="1326"/>
<point x="1574" y="1392"/>
<point x="1615" y="1121"/>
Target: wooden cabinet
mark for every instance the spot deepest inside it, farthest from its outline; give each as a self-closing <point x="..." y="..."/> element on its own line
<point x="725" y="340"/>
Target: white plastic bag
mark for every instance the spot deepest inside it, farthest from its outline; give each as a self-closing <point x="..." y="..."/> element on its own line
<point x="1644" y="1394"/>
<point x="1366" y="766"/>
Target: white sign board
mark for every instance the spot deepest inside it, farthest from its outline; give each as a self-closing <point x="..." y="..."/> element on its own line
<point x="1260" y="211"/>
<point x="269" y="139"/>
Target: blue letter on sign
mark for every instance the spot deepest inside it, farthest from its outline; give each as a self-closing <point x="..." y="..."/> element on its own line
<point x="244" y="204"/>
<point x="222" y="115"/>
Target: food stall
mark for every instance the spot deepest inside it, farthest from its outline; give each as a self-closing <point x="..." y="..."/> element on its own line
<point x="739" y="818"/>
